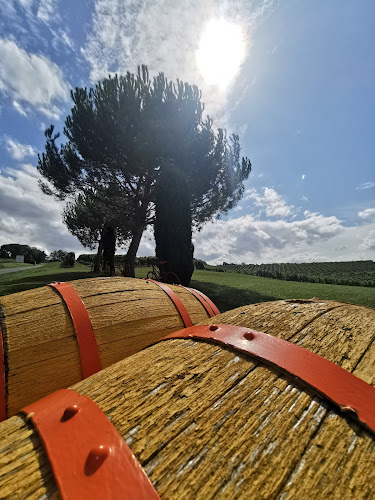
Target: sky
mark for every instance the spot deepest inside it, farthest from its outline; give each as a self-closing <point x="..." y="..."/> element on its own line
<point x="294" y="79"/>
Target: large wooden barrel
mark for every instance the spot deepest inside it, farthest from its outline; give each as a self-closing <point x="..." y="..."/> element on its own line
<point x="206" y="422"/>
<point x="41" y="351"/>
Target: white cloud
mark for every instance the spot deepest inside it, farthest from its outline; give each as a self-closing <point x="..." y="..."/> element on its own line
<point x="369" y="241"/>
<point x="368" y="213"/>
<point x="46" y="10"/>
<point x="29" y="216"/>
<point x="270" y="201"/>
<point x="17" y="150"/>
<point x="67" y="40"/>
<point x="303" y="177"/>
<point x="22" y="110"/>
<point x="32" y="78"/>
<point x="165" y="35"/>
<point x="366" y="185"/>
<point x="312" y="238"/>
<point x="26" y="4"/>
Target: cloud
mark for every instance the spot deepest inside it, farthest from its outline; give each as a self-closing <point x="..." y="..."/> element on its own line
<point x="31" y="78"/>
<point x="22" y="110"/>
<point x="312" y="238"/>
<point x="369" y="241"/>
<point x="165" y="35"/>
<point x="366" y="185"/>
<point x="28" y="216"/>
<point x="46" y="10"/>
<point x="66" y="39"/>
<point x="368" y="213"/>
<point x="270" y="201"/>
<point x="19" y="151"/>
<point x="303" y="177"/>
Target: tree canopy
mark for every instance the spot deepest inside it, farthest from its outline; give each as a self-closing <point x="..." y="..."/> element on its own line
<point x="93" y="215"/>
<point x="121" y="132"/>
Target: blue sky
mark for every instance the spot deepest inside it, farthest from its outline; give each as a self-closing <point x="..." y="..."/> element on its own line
<point x="300" y="93"/>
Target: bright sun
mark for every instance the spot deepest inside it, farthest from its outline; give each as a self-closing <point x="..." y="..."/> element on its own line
<point x="221" y="51"/>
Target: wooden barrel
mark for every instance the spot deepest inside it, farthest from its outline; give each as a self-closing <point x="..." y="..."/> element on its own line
<point x="41" y="351"/>
<point x="206" y="422"/>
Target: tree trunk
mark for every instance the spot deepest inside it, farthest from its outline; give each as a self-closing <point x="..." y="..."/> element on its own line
<point x="172" y="228"/>
<point x="98" y="255"/>
<point x="133" y="249"/>
<point x="109" y="249"/>
<point x="140" y="225"/>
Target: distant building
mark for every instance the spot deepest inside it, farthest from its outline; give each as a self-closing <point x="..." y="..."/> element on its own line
<point x="20" y="258"/>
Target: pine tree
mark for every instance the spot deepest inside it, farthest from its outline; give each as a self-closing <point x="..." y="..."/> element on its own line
<point x="121" y="132"/>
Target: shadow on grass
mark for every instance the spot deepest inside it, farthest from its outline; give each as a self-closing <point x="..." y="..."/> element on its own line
<point x="27" y="283"/>
<point x="226" y="297"/>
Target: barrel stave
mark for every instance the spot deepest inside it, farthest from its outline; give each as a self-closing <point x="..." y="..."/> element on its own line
<point x="205" y="421"/>
<point x="41" y="348"/>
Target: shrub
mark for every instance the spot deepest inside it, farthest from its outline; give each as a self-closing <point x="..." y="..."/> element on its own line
<point x="69" y="260"/>
<point x="86" y="258"/>
<point x="200" y="264"/>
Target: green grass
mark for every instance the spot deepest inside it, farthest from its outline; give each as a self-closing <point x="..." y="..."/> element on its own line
<point x="230" y="290"/>
<point x="227" y="290"/>
<point x="32" y="277"/>
<point x="7" y="264"/>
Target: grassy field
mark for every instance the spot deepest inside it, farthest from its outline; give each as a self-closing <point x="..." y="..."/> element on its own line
<point x="227" y="290"/>
<point x="230" y="290"/>
<point x="7" y="263"/>
<point x="33" y="277"/>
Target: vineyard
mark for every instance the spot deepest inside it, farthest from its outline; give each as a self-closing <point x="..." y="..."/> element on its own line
<point x="356" y="273"/>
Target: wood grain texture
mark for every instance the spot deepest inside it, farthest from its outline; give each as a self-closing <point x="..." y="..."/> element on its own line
<point x="41" y="349"/>
<point x="207" y="423"/>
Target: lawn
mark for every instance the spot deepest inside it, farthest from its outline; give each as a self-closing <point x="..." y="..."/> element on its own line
<point x="230" y="290"/>
<point x="8" y="263"/>
<point x="33" y="277"/>
<point x="227" y="290"/>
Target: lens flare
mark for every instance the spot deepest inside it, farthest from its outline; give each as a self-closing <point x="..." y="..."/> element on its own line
<point x="222" y="50"/>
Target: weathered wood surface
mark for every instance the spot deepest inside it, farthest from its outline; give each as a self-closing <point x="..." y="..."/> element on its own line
<point x="41" y="349"/>
<point x="208" y="423"/>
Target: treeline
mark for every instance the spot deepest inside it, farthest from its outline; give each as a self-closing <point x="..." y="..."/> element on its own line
<point x="88" y="259"/>
<point x="32" y="255"/>
<point x="353" y="273"/>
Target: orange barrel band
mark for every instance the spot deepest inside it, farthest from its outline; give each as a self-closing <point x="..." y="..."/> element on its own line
<point x="88" y="457"/>
<point x="346" y="391"/>
<point x="3" y="402"/>
<point x="210" y="307"/>
<point x="176" y="301"/>
<point x="208" y="300"/>
<point x="88" y="349"/>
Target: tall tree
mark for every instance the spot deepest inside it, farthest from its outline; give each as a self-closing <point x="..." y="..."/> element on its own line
<point x="120" y="132"/>
<point x="173" y="222"/>
<point x="95" y="213"/>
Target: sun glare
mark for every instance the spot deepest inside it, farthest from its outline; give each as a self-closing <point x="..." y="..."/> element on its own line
<point x="221" y="51"/>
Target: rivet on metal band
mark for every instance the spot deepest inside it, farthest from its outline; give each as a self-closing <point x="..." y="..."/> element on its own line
<point x="88" y="349"/>
<point x="88" y="457"/>
<point x="176" y="301"/>
<point x="348" y="392"/>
